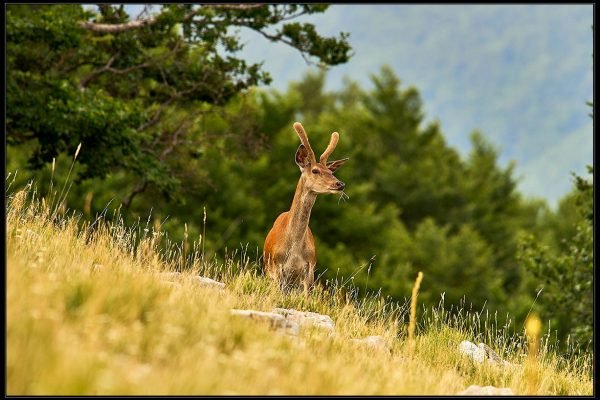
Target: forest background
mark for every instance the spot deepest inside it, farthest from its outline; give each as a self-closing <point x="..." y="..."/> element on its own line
<point x="174" y="133"/>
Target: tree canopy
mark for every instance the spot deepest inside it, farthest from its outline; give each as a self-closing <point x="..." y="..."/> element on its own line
<point x="132" y="89"/>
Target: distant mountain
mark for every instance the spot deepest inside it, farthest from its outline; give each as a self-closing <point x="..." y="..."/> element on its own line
<point x="521" y="74"/>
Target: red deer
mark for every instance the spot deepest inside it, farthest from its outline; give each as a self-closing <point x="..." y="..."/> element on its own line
<point x="289" y="251"/>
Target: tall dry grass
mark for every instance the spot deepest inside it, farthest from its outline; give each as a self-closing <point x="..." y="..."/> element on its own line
<point x="89" y="314"/>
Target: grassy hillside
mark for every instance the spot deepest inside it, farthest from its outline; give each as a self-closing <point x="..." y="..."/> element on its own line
<point x="88" y="313"/>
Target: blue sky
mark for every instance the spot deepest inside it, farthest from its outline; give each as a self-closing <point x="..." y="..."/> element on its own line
<point x="520" y="74"/>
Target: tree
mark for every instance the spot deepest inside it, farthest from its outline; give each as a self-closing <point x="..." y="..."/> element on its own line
<point x="414" y="203"/>
<point x="131" y="91"/>
<point x="566" y="274"/>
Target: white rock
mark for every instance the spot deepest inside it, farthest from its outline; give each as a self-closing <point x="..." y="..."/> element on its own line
<point x="275" y="320"/>
<point x="374" y="342"/>
<point x="475" y="390"/>
<point x="481" y="353"/>
<point x="207" y="282"/>
<point x="307" y="318"/>
<point x="472" y="351"/>
<point x="491" y="355"/>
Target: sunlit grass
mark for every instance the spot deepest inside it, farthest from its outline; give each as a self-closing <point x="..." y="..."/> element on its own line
<point x="88" y="313"/>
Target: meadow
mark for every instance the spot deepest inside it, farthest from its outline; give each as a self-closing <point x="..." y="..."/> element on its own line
<point x="88" y="313"/>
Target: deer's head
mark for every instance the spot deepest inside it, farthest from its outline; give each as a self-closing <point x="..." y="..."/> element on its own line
<point x="318" y="176"/>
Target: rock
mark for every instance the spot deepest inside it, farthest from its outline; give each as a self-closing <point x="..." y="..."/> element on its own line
<point x="475" y="390"/>
<point x="207" y="282"/>
<point x="480" y="353"/>
<point x="276" y="321"/>
<point x="374" y="342"/>
<point x="201" y="280"/>
<point x="492" y="356"/>
<point x="307" y="318"/>
<point x="472" y="351"/>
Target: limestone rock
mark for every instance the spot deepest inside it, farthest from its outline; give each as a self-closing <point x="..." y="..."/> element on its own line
<point x="481" y="353"/>
<point x="276" y="321"/>
<point x="475" y="390"/>
<point x="200" y="280"/>
<point x="492" y="356"/>
<point x="207" y="282"/>
<point x="472" y="351"/>
<point x="307" y="318"/>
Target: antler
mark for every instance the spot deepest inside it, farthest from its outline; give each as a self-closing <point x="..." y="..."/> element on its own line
<point x="304" y="139"/>
<point x="332" y="143"/>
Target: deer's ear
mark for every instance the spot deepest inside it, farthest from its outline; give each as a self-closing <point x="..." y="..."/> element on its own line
<point x="334" y="165"/>
<point x="302" y="159"/>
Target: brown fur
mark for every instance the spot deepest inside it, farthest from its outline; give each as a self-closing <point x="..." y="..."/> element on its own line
<point x="275" y="253"/>
<point x="289" y="251"/>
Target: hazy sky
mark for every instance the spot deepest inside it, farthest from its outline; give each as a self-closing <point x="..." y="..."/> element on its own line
<point x="521" y="74"/>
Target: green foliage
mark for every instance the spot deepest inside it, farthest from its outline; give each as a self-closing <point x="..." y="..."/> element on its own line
<point x="130" y="93"/>
<point x="566" y="272"/>
<point x="458" y="265"/>
<point x="414" y="203"/>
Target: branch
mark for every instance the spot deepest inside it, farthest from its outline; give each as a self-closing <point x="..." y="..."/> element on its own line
<point x="279" y="38"/>
<point x="156" y="117"/>
<point x="174" y="139"/>
<point x="116" y="28"/>
<point x="301" y="13"/>
<point x="107" y="68"/>
<point x="138" y="23"/>
<point x="139" y="188"/>
<point x="143" y="184"/>
<point x="145" y="11"/>
<point x="84" y="82"/>
<point x="235" y="6"/>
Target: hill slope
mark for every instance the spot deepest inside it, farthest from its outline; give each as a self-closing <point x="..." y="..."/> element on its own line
<point x="89" y="313"/>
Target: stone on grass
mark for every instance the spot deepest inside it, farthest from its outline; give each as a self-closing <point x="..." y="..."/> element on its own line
<point x="207" y="282"/>
<point x="307" y="318"/>
<point x="492" y="356"/>
<point x="200" y="280"/>
<point x="481" y="353"/>
<point x="276" y="321"/>
<point x="475" y="390"/>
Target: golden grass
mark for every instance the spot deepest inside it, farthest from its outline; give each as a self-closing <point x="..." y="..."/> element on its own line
<point x="533" y="327"/>
<point x="413" y="310"/>
<point x="88" y="314"/>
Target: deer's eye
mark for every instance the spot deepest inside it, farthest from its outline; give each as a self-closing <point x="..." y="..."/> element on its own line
<point x="315" y="171"/>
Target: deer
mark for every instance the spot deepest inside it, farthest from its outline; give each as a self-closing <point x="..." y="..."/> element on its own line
<point x="289" y="250"/>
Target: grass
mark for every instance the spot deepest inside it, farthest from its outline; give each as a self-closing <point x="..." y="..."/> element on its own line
<point x="88" y="314"/>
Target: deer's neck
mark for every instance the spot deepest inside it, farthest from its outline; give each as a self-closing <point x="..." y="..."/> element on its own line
<point x="303" y="202"/>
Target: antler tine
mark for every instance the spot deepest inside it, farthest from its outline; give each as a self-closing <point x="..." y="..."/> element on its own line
<point x="304" y="139"/>
<point x="332" y="143"/>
